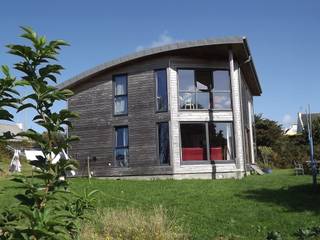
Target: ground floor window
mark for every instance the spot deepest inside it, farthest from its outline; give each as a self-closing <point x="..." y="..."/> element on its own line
<point x="121" y="149"/>
<point x="193" y="141"/>
<point x="163" y="143"/>
<point x="221" y="141"/>
<point x="213" y="141"/>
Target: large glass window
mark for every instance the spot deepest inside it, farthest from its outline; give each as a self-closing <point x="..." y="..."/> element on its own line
<point x="207" y="141"/>
<point x="193" y="141"/>
<point x="162" y="92"/>
<point x="221" y="141"/>
<point x="204" y="89"/>
<point x="120" y="94"/>
<point x="164" y="145"/>
<point x="221" y="90"/>
<point x="121" y="146"/>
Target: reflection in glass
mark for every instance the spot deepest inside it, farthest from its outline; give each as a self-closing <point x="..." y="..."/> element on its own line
<point x="164" y="146"/>
<point x="221" y="80"/>
<point x="121" y="146"/>
<point x="222" y="100"/>
<point x="203" y="100"/>
<point x="120" y="94"/>
<point x="162" y="93"/>
<point x="193" y="142"/>
<point x="221" y="141"/>
<point x="120" y="105"/>
<point x="186" y="80"/>
<point x="187" y="100"/>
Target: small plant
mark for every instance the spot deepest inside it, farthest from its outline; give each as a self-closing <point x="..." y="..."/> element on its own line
<point x="41" y="213"/>
<point x="274" y="236"/>
<point x="308" y="233"/>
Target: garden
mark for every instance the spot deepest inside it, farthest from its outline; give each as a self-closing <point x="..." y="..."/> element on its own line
<point x="43" y="203"/>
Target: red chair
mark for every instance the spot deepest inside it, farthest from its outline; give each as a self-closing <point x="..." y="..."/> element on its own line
<point x="196" y="154"/>
<point x="216" y="153"/>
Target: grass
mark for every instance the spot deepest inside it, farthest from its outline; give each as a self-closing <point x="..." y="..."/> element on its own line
<point x="206" y="209"/>
<point x="132" y="224"/>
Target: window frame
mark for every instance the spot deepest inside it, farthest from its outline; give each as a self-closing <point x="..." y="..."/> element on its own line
<point x="115" y="147"/>
<point x="156" y="90"/>
<point x="114" y="96"/>
<point x="196" y="90"/>
<point x="208" y="161"/>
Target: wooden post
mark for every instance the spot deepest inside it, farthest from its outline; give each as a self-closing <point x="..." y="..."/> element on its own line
<point x="88" y="168"/>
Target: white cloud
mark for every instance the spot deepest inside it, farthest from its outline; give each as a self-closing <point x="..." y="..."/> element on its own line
<point x="287" y="120"/>
<point x="163" y="39"/>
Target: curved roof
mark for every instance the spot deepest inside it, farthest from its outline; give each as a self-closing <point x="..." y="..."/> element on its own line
<point x="238" y="44"/>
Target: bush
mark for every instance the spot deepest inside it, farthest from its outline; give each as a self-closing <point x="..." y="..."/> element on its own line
<point x="131" y="224"/>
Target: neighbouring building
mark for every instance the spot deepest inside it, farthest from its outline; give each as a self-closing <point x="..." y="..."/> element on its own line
<point x="302" y="120"/>
<point x="292" y="130"/>
<point x="183" y="110"/>
<point x="14" y="129"/>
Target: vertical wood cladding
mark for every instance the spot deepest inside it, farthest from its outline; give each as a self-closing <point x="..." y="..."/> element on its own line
<point x="93" y="101"/>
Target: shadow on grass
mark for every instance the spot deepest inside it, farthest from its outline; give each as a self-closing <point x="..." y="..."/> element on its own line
<point x="295" y="199"/>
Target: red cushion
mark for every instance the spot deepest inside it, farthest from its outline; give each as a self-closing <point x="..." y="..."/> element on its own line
<point x="193" y="154"/>
<point x="216" y="153"/>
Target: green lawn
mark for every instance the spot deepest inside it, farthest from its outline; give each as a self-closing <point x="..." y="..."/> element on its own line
<point x="247" y="208"/>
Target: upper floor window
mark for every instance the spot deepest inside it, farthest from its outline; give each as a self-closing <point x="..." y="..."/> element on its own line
<point x="204" y="89"/>
<point x="120" y="94"/>
<point x="161" y="89"/>
<point x="121" y="147"/>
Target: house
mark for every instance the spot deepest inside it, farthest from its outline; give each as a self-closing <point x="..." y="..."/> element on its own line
<point x="302" y="120"/>
<point x="183" y="110"/>
<point x="13" y="129"/>
<point x="292" y="130"/>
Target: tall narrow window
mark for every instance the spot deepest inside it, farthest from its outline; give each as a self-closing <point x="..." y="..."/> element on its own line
<point x="164" y="146"/>
<point x="121" y="150"/>
<point x="120" y="94"/>
<point x="193" y="141"/>
<point x="222" y="92"/>
<point x="162" y="91"/>
<point x="221" y="141"/>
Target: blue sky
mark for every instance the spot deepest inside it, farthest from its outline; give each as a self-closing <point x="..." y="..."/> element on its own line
<point x="284" y="38"/>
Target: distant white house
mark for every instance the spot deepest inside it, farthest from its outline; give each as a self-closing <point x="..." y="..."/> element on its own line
<point x="292" y="130"/>
<point x="13" y="128"/>
<point x="300" y="125"/>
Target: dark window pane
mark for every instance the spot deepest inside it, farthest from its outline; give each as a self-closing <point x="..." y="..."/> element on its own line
<point x="204" y="79"/>
<point x="120" y="85"/>
<point x="186" y="80"/>
<point x="203" y="100"/>
<point x="187" y="100"/>
<point x="193" y="142"/>
<point x="222" y="100"/>
<point x="121" y="147"/>
<point x="164" y="146"/>
<point x="121" y="105"/>
<point x="221" y="141"/>
<point x="221" y="80"/>
<point x="162" y="93"/>
<point x="122" y="156"/>
<point x="121" y="137"/>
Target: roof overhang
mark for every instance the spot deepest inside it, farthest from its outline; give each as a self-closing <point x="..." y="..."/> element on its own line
<point x="208" y="47"/>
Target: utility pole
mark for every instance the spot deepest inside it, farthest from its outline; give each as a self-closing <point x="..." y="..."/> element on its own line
<point x="312" y="160"/>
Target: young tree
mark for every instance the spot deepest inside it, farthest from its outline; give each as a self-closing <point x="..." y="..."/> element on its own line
<point x="40" y="215"/>
<point x="8" y="98"/>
